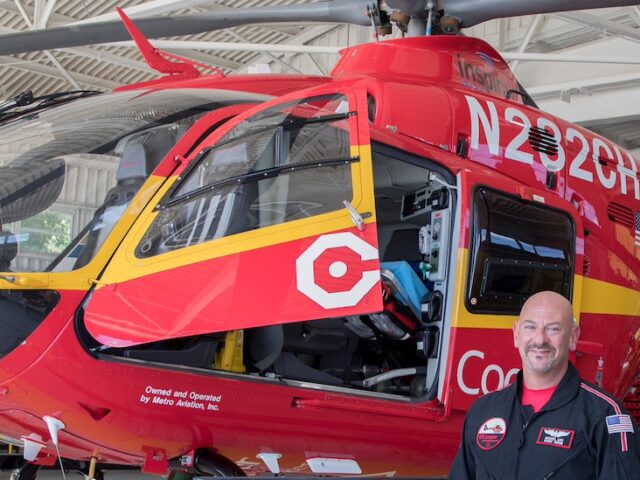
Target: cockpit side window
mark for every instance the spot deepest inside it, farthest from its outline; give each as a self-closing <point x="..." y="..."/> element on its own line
<point x="517" y="248"/>
<point x="68" y="173"/>
<point x="286" y="163"/>
<point x="140" y="153"/>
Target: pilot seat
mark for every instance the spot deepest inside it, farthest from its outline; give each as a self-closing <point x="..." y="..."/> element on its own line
<point x="8" y="250"/>
<point x="140" y="153"/>
<point x="304" y="351"/>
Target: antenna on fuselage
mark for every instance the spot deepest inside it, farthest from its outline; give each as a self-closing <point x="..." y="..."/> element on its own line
<point x="55" y="425"/>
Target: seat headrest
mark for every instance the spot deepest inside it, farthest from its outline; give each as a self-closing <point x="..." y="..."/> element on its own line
<point x="8" y="249"/>
<point x="141" y="152"/>
<point x="133" y="163"/>
<point x="263" y="345"/>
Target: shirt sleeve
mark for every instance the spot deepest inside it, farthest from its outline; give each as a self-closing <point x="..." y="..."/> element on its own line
<point x="464" y="466"/>
<point x="617" y="440"/>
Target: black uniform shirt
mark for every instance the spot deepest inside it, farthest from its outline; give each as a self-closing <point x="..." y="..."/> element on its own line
<point x="581" y="433"/>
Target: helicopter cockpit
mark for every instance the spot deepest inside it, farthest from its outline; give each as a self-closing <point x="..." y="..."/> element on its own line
<point x="67" y="175"/>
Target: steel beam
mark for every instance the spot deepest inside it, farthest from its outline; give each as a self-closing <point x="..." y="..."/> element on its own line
<point x="306" y="36"/>
<point x="590" y="106"/>
<point x="52" y="72"/>
<point x="602" y="24"/>
<point x="568" y="58"/>
<point x="590" y="84"/>
<point x="237" y="47"/>
<point x="634" y="13"/>
<point x="237" y="36"/>
<point x="148" y="9"/>
<point x="40" y="21"/>
<point x="533" y="28"/>
<point x="47" y="53"/>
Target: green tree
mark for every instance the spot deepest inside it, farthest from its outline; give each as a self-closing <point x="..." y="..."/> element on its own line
<point x="47" y="232"/>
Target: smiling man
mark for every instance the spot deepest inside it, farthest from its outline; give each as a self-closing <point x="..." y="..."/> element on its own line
<point x="549" y="423"/>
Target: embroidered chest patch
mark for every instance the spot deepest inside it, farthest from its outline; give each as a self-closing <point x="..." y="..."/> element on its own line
<point x="555" y="437"/>
<point x="491" y="433"/>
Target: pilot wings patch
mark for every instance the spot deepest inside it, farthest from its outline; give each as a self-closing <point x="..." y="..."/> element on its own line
<point x="555" y="437"/>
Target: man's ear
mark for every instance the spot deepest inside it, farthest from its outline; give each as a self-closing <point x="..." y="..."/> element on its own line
<point x="516" y="324"/>
<point x="573" y="340"/>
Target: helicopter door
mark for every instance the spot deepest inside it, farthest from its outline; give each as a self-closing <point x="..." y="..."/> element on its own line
<point x="516" y="241"/>
<point x="272" y="222"/>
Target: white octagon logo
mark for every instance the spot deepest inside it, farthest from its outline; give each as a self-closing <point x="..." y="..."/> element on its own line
<point x="305" y="271"/>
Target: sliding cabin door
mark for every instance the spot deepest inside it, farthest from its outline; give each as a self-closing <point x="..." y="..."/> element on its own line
<point x="516" y="241"/>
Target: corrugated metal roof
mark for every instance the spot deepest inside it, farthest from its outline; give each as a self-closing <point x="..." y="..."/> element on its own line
<point x="105" y="67"/>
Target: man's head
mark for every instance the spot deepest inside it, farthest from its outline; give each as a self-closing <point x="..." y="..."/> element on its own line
<point x="544" y="334"/>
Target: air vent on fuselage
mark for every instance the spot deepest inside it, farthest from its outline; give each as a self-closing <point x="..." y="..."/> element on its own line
<point x="586" y="266"/>
<point x="621" y="214"/>
<point x="543" y="141"/>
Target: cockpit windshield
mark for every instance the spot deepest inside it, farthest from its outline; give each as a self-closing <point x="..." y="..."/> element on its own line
<point x="68" y="173"/>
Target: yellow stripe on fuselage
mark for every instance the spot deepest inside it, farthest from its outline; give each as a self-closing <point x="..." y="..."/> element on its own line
<point x="589" y="297"/>
<point x="609" y="299"/>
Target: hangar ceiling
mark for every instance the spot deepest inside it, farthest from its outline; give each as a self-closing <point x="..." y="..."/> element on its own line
<point x="583" y="66"/>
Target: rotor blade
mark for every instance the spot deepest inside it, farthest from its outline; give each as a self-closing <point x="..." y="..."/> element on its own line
<point x="338" y="11"/>
<point x="472" y="12"/>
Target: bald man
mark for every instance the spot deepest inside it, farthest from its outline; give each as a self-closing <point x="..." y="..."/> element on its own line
<point x="549" y="424"/>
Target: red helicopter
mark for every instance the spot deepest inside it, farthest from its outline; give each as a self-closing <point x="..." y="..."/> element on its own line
<point x="224" y="276"/>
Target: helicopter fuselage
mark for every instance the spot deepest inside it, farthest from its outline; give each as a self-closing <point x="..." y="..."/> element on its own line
<point x="306" y="275"/>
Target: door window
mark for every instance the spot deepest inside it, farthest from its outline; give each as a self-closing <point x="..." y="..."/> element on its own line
<point x="289" y="162"/>
<point x="517" y="248"/>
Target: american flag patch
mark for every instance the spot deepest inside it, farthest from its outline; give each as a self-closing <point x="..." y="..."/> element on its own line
<point x="637" y="230"/>
<point x="619" y="424"/>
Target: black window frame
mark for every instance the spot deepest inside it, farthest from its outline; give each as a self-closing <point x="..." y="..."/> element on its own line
<point x="509" y="303"/>
<point x="175" y="197"/>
